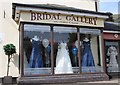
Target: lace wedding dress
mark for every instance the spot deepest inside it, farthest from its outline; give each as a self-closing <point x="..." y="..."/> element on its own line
<point x="113" y="65"/>
<point x="63" y="62"/>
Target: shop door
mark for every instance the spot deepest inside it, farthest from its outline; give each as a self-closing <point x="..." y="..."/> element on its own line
<point x="112" y="53"/>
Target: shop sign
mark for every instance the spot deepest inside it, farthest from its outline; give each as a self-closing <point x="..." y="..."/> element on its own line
<point x="57" y="18"/>
<point x="67" y="18"/>
<point x="116" y="35"/>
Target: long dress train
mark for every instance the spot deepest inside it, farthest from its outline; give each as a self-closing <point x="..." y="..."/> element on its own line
<point x="63" y="63"/>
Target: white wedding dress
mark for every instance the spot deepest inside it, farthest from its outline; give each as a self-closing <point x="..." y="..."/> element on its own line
<point x="113" y="65"/>
<point x="63" y="62"/>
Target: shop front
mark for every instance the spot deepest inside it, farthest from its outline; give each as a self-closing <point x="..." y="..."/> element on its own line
<point x="112" y="48"/>
<point x="59" y="44"/>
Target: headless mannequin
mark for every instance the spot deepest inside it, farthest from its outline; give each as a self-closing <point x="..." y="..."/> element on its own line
<point x="36" y="38"/>
<point x="87" y="59"/>
<point x="113" y="65"/>
<point x="86" y="39"/>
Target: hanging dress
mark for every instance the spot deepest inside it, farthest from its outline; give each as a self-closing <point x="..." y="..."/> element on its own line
<point x="113" y="65"/>
<point x="63" y="62"/>
<point x="36" y="56"/>
<point x="87" y="60"/>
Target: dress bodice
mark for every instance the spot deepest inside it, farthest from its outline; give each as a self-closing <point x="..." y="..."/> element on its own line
<point x="63" y="45"/>
<point x="112" y="51"/>
<point x="87" y="59"/>
<point x="86" y="44"/>
<point x="35" y="43"/>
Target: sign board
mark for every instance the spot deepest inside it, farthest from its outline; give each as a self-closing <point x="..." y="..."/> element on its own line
<point x="61" y="19"/>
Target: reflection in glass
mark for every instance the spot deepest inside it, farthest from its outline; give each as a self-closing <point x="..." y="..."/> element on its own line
<point x="36" y="60"/>
<point x="87" y="59"/>
<point x="66" y="61"/>
<point x="63" y="62"/>
<point x="37" y="50"/>
<point x="90" y="47"/>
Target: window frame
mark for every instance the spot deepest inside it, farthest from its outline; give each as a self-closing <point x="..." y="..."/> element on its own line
<point x="21" y="35"/>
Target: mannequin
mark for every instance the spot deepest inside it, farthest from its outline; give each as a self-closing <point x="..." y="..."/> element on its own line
<point x="113" y="65"/>
<point x="36" y="56"/>
<point x="86" y="39"/>
<point x="87" y="60"/>
<point x="63" y="62"/>
<point x="36" y="38"/>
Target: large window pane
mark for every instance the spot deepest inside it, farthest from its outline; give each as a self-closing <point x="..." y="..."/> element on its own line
<point x="90" y="50"/>
<point x="36" y="50"/>
<point x="66" y="60"/>
<point x="90" y="31"/>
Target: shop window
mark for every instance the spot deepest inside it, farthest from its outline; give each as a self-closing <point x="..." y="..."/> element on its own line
<point x="112" y="56"/>
<point x="54" y="50"/>
<point x="37" y="49"/>
<point x="65" y="50"/>
<point x="90" y="50"/>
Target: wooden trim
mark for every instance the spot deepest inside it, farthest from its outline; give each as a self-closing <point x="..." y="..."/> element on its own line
<point x="79" y="57"/>
<point x="52" y="51"/>
<point x="111" y="36"/>
<point x="63" y="79"/>
<point x="103" y="53"/>
<point x="65" y="25"/>
<point x="21" y="50"/>
<point x="52" y="48"/>
<point x="98" y="48"/>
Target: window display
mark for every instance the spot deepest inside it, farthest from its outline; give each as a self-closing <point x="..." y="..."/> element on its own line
<point x="90" y="48"/>
<point x="75" y="53"/>
<point x="63" y="62"/>
<point x="47" y="46"/>
<point x="112" y="58"/>
<point x="37" y="50"/>
<point x="87" y="60"/>
<point x="112" y="53"/>
<point x="36" y="60"/>
<point x="64" y="47"/>
<point x="48" y="51"/>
